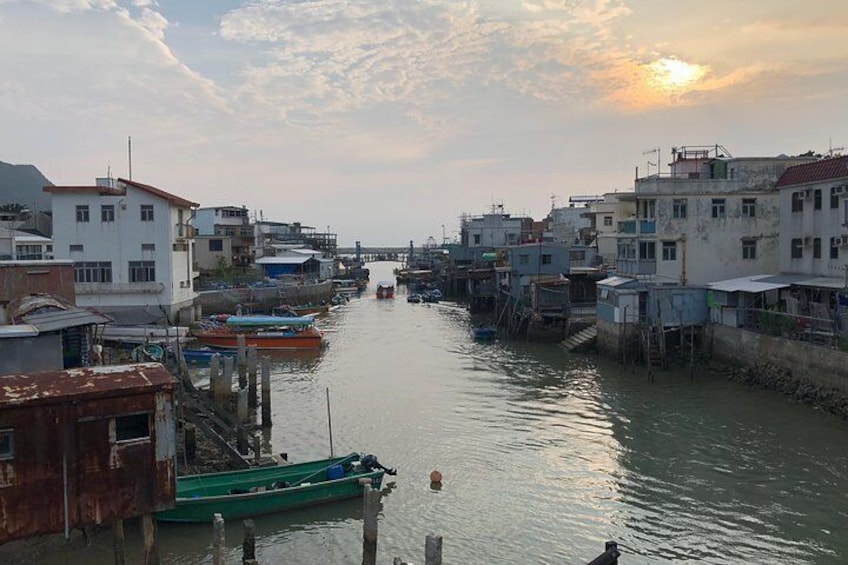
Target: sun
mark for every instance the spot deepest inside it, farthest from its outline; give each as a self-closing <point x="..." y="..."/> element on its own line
<point x="673" y="74"/>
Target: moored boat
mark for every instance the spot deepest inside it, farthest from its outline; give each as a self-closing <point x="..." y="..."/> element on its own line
<point x="144" y="334"/>
<point x="385" y="289"/>
<point x="267" y="490"/>
<point x="484" y="332"/>
<point x="265" y="332"/>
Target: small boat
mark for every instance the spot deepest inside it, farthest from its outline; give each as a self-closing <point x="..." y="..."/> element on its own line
<point x="385" y="289"/>
<point x="484" y="332"/>
<point x="266" y="490"/>
<point x="202" y="357"/>
<point x="265" y="332"/>
<point x="414" y="298"/>
<point x="347" y="287"/>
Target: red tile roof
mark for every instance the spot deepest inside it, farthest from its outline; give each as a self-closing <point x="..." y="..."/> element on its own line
<point x="101" y="190"/>
<point x="160" y="193"/>
<point x="816" y="171"/>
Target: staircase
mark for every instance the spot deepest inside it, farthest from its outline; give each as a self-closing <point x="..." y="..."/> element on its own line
<point x="581" y="340"/>
<point x="651" y="347"/>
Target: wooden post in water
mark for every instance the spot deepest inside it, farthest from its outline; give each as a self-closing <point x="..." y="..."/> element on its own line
<point x="251" y="376"/>
<point x="222" y="396"/>
<point x="248" y="546"/>
<point x="218" y="540"/>
<point x="692" y="351"/>
<point x="433" y="550"/>
<point x="266" y="391"/>
<point x="257" y="448"/>
<point x="242" y="361"/>
<point x="120" y="546"/>
<point x="369" y="525"/>
<point x="214" y="375"/>
<point x="151" y="547"/>
<point x="241" y="405"/>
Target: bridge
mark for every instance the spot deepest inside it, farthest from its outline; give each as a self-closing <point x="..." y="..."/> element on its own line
<point x="383" y="253"/>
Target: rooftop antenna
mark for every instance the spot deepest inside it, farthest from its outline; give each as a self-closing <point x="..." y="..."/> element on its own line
<point x="649" y="164"/>
<point x="129" y="154"/>
<point x="831" y="149"/>
<point x="553" y="201"/>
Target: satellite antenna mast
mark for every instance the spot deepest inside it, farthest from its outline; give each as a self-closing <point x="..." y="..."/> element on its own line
<point x="129" y="154"/>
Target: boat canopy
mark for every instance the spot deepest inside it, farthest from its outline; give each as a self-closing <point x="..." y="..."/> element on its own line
<point x="264" y="321"/>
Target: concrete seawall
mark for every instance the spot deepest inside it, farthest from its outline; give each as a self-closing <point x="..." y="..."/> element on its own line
<point x="263" y="299"/>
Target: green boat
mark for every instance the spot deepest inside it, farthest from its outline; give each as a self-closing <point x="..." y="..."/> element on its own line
<point x="267" y="490"/>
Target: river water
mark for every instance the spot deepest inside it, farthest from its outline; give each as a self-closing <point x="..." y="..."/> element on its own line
<point x="544" y="455"/>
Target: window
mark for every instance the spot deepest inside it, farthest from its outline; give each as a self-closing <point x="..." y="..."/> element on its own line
<point x="180" y="247"/>
<point x="82" y="213"/>
<point x="148" y="247"/>
<point x="718" y="207"/>
<point x="216" y="245"/>
<point x="107" y="213"/>
<point x="749" y="248"/>
<point x="130" y="428"/>
<point x="477" y="238"/>
<point x="93" y="272"/>
<point x="749" y="207"/>
<point x="678" y="208"/>
<point x="817" y="248"/>
<point x="76" y="248"/>
<point x="669" y="251"/>
<point x="647" y="209"/>
<point x="834" y="247"/>
<point x="834" y="198"/>
<point x="7" y="444"/>
<point x="647" y="250"/>
<point x="607" y="220"/>
<point x="142" y="271"/>
<point x="817" y="199"/>
<point x="547" y="259"/>
<point x="523" y="259"/>
<point x="146" y="212"/>
<point x="797" y="202"/>
<point x="797" y="249"/>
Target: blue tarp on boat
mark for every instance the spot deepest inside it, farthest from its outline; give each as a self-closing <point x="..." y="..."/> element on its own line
<point x="244" y="321"/>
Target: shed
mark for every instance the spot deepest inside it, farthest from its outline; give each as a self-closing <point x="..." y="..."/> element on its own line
<point x="85" y="446"/>
<point x="676" y="306"/>
<point x="730" y="299"/>
<point x="618" y="300"/>
<point x="276" y="267"/>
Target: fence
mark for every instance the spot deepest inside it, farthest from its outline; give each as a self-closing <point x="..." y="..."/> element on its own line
<point x="825" y="332"/>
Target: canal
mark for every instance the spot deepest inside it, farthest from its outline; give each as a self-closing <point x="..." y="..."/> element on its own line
<point x="544" y="455"/>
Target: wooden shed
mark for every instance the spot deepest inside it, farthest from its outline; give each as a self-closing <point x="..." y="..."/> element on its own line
<point x="85" y="446"/>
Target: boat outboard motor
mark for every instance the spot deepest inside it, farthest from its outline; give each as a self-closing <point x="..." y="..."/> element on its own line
<point x="369" y="462"/>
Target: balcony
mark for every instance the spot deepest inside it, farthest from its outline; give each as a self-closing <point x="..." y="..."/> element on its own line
<point x="119" y="288"/>
<point x="634" y="267"/>
<point x="637" y="227"/>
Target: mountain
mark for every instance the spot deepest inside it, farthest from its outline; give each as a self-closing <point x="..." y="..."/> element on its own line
<point x="22" y="184"/>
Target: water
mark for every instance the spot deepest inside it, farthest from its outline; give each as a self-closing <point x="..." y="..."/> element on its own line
<point x="544" y="455"/>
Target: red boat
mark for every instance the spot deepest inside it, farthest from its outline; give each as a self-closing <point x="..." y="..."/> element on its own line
<point x="385" y="290"/>
<point x="265" y="332"/>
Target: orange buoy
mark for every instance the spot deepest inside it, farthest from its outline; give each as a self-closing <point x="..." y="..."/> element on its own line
<point x="435" y="477"/>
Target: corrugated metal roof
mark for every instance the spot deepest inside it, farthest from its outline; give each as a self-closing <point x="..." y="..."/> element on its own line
<point x="61" y="319"/>
<point x="85" y="382"/>
<point x="825" y="169"/>
<point x="616" y="281"/>
<point x="752" y="283"/>
<point x="282" y="260"/>
<point x="18" y="330"/>
<point x="837" y="283"/>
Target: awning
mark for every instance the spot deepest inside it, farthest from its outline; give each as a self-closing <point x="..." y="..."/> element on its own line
<point x="282" y="260"/>
<point x="616" y="281"/>
<point x="833" y="283"/>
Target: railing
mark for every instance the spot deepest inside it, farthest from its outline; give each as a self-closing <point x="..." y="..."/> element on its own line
<point x="636" y="266"/>
<point x="119" y="288"/>
<point x="647" y="226"/>
<point x="627" y="226"/>
<point x="817" y="331"/>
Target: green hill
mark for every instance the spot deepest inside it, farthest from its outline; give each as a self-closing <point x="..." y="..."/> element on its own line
<point x="22" y="184"/>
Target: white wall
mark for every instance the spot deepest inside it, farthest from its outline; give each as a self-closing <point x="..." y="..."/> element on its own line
<point x="810" y="224"/>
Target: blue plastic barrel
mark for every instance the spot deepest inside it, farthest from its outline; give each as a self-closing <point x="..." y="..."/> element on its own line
<point x="335" y="472"/>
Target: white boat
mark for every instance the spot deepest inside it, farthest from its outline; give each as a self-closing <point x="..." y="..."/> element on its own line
<point x="144" y="334"/>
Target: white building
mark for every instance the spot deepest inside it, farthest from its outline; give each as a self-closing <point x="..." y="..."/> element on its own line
<point x="567" y="224"/>
<point x="713" y="217"/>
<point x="814" y="220"/>
<point x="131" y="244"/>
<point x="604" y="217"/>
<point x="496" y="229"/>
<point x="18" y="245"/>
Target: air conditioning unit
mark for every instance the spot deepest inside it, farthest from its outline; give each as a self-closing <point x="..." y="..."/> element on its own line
<point x="808" y="241"/>
<point x="808" y="193"/>
<point x="835" y="241"/>
<point x="838" y="189"/>
<point x="841" y="241"/>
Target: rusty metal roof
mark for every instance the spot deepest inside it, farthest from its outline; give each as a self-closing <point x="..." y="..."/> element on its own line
<point x="82" y="383"/>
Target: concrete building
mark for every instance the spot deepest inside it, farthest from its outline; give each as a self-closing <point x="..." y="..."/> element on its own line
<point x="493" y="230"/>
<point x="712" y="217"/>
<point x="212" y="252"/>
<point x="568" y="224"/>
<point x="604" y="218"/>
<point x="228" y="234"/>
<point x="131" y="245"/>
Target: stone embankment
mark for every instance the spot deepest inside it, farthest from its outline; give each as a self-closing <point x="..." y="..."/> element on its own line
<point x="797" y="388"/>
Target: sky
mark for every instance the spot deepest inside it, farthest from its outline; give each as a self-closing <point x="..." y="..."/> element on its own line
<point x="386" y="121"/>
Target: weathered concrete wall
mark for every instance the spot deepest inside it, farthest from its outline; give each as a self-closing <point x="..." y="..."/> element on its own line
<point x="611" y="339"/>
<point x="820" y="366"/>
<point x="262" y="299"/>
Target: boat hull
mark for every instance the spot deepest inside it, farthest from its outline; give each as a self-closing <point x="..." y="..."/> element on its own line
<point x="199" y="497"/>
<point x="230" y="340"/>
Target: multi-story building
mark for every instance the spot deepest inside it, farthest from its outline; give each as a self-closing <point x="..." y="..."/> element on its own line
<point x="493" y="230"/>
<point x="604" y="217"/>
<point x="131" y="245"/>
<point x="227" y="234"/>
<point x="814" y="219"/>
<point x="569" y="223"/>
<point x="712" y="217"/>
